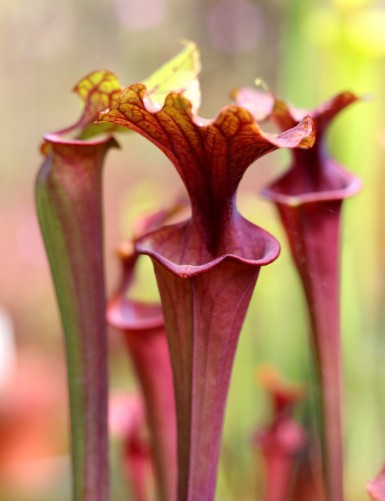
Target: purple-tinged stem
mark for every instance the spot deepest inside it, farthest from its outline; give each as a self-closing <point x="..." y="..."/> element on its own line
<point x="313" y="232"/>
<point x="68" y="198"/>
<point x="204" y="318"/>
<point x="309" y="198"/>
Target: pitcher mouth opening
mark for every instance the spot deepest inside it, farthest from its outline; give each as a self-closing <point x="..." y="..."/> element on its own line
<point x="69" y="137"/>
<point x="284" y="191"/>
<point x="132" y="315"/>
<point x="169" y="246"/>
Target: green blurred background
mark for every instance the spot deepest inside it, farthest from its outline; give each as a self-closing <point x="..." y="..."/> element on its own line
<point x="306" y="51"/>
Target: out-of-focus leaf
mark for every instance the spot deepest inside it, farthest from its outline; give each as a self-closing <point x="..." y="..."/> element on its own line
<point x="179" y="74"/>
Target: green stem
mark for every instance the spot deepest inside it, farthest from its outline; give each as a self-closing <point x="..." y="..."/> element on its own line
<point x="68" y="200"/>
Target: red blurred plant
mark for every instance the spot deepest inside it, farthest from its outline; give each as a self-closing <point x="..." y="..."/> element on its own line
<point x="31" y="407"/>
<point x="308" y="482"/>
<point x="283" y="438"/>
<point x="376" y="487"/>
<point x="127" y="421"/>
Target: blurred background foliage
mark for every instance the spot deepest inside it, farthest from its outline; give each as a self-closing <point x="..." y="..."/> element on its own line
<point x="306" y="51"/>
